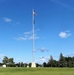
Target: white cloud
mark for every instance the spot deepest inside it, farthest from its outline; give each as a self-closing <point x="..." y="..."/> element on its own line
<point x="44" y="59"/>
<point x="26" y="33"/>
<point x="27" y="36"/>
<point x="65" y="34"/>
<point x="21" y="38"/>
<point x="43" y="49"/>
<point x="7" y="20"/>
<point x="31" y="37"/>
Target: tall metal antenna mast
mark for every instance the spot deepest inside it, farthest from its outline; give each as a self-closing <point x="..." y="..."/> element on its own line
<point x="33" y="38"/>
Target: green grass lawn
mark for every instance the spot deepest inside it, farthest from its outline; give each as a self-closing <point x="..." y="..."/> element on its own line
<point x="36" y="71"/>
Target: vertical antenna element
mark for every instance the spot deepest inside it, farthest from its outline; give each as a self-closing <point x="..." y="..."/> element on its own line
<point x="33" y="38"/>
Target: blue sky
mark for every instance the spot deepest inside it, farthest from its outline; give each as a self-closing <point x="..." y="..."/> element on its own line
<point x="54" y="29"/>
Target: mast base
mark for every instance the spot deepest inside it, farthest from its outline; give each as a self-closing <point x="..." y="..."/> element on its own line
<point x="33" y="65"/>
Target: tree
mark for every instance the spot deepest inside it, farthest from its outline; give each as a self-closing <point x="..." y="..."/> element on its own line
<point x="11" y="60"/>
<point x="51" y="62"/>
<point x="73" y="62"/>
<point x="62" y="62"/>
<point x="22" y="64"/>
<point x="44" y="64"/>
<point x="69" y="61"/>
<point x="38" y="65"/>
<point x="8" y="61"/>
<point x="5" y="60"/>
<point x="1" y="64"/>
<point x="30" y="64"/>
<point x="25" y="64"/>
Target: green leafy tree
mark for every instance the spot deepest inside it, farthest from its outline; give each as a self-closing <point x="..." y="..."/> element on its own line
<point x="51" y="62"/>
<point x="8" y="61"/>
<point x="22" y="64"/>
<point x="11" y="60"/>
<point x="62" y="62"/>
<point x="44" y="64"/>
<point x="5" y="60"/>
<point x="73" y="62"/>
<point x="69" y="61"/>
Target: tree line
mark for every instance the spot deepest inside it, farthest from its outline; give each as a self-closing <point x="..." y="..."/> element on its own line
<point x="62" y="62"/>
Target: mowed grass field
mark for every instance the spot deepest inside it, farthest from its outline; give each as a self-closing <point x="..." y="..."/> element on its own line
<point x="36" y="71"/>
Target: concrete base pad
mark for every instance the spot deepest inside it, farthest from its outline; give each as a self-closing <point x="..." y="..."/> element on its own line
<point x="33" y="64"/>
